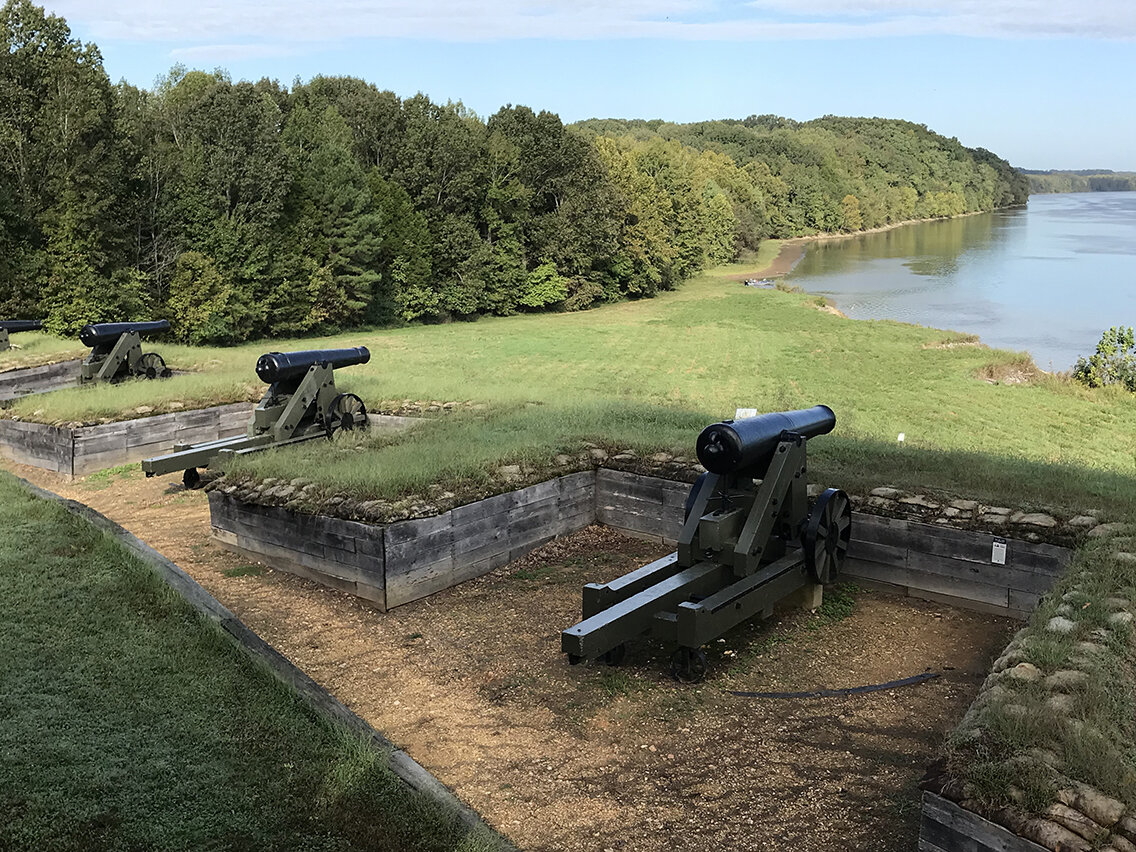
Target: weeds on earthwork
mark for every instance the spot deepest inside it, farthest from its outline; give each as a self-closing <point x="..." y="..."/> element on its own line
<point x="996" y="748"/>
<point x="838" y="603"/>
<point x="130" y="721"/>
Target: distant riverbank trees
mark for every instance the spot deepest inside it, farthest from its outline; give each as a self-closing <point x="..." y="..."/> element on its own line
<point x="1089" y="180"/>
<point x="243" y="209"/>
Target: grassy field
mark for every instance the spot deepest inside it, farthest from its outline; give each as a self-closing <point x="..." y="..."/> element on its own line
<point x="33" y="348"/>
<point x="131" y="723"/>
<point x="648" y="374"/>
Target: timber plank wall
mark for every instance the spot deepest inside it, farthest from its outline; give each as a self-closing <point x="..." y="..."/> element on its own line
<point x="17" y="383"/>
<point x="79" y="450"/>
<point x="945" y="827"/>
<point x="397" y="563"/>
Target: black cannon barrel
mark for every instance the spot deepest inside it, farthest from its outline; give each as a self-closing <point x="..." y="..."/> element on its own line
<point x="13" y="326"/>
<point x="107" y="332"/>
<point x="281" y="366"/>
<point x="742" y="445"/>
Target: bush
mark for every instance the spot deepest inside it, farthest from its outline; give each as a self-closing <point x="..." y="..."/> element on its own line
<point x="1114" y="362"/>
<point x="203" y="306"/>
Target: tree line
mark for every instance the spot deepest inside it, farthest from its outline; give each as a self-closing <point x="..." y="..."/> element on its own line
<point x="1085" y="180"/>
<point x="241" y="209"/>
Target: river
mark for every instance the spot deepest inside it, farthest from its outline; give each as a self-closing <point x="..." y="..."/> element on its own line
<point x="1047" y="279"/>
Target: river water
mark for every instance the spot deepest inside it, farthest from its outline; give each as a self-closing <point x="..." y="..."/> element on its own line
<point x="1047" y="279"/>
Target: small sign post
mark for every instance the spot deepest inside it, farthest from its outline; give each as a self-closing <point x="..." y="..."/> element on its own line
<point x="998" y="551"/>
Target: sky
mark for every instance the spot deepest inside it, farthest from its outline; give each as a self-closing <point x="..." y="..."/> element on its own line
<point x="1046" y="84"/>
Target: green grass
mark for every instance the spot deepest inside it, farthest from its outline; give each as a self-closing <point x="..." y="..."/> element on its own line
<point x="244" y="571"/>
<point x="130" y="722"/>
<point x="688" y="357"/>
<point x="35" y="348"/>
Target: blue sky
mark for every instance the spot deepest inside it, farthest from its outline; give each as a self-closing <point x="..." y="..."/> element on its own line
<point x="1044" y="83"/>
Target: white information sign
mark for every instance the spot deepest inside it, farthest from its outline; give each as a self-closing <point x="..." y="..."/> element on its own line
<point x="743" y="413"/>
<point x="998" y="552"/>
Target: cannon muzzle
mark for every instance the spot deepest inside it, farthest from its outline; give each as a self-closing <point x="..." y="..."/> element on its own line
<point x="99" y="333"/>
<point x="738" y="446"/>
<point x="14" y="326"/>
<point x="282" y="366"/>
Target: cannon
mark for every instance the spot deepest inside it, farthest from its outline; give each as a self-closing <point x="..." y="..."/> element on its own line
<point x="8" y="327"/>
<point x="301" y="403"/>
<point x="748" y="541"/>
<point x="116" y="352"/>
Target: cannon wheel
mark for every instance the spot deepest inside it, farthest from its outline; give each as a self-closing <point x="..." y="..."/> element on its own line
<point x="191" y="478"/>
<point x="345" y="412"/>
<point x="153" y="366"/>
<point x="689" y="665"/>
<point x="827" y="534"/>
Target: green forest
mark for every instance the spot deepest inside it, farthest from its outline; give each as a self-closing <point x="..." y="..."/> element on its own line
<point x="243" y="209"/>
<point x="1088" y="180"/>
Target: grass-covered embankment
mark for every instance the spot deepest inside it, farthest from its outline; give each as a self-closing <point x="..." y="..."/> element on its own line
<point x="647" y="375"/>
<point x="1049" y="746"/>
<point x="130" y="722"/>
<point x="35" y="348"/>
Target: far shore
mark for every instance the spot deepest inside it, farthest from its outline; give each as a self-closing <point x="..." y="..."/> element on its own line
<point x="789" y="254"/>
<point x="793" y="249"/>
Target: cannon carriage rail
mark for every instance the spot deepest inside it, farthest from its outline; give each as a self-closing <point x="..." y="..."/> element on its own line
<point x="301" y="403"/>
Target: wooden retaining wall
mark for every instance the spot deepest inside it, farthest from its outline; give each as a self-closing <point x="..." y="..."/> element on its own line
<point x="77" y="451"/>
<point x="48" y="377"/>
<point x="393" y="564"/>
<point x="945" y="827"/>
<point x="953" y="566"/>
<point x="412" y="559"/>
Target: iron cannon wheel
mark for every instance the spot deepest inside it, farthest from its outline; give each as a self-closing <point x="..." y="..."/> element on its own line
<point x="345" y="412"/>
<point x="689" y="665"/>
<point x="153" y="366"/>
<point x="191" y="478"/>
<point x="827" y="534"/>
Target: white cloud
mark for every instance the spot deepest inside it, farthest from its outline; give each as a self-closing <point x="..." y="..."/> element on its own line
<point x="222" y="53"/>
<point x="229" y="22"/>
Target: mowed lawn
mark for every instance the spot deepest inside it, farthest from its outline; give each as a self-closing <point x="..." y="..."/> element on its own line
<point x="131" y="723"/>
<point x="646" y="373"/>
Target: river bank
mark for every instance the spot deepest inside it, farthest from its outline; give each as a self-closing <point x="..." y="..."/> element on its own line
<point x="792" y="250"/>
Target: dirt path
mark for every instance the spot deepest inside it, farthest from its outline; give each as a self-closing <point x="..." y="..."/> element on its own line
<point x="472" y="684"/>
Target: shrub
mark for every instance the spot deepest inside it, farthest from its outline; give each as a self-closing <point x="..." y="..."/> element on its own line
<point x="1114" y="362"/>
<point x="203" y="305"/>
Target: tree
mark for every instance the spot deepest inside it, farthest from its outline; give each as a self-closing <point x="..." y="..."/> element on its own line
<point x="204" y="308"/>
<point x="852" y="218"/>
<point x="331" y="229"/>
<point x="61" y="171"/>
